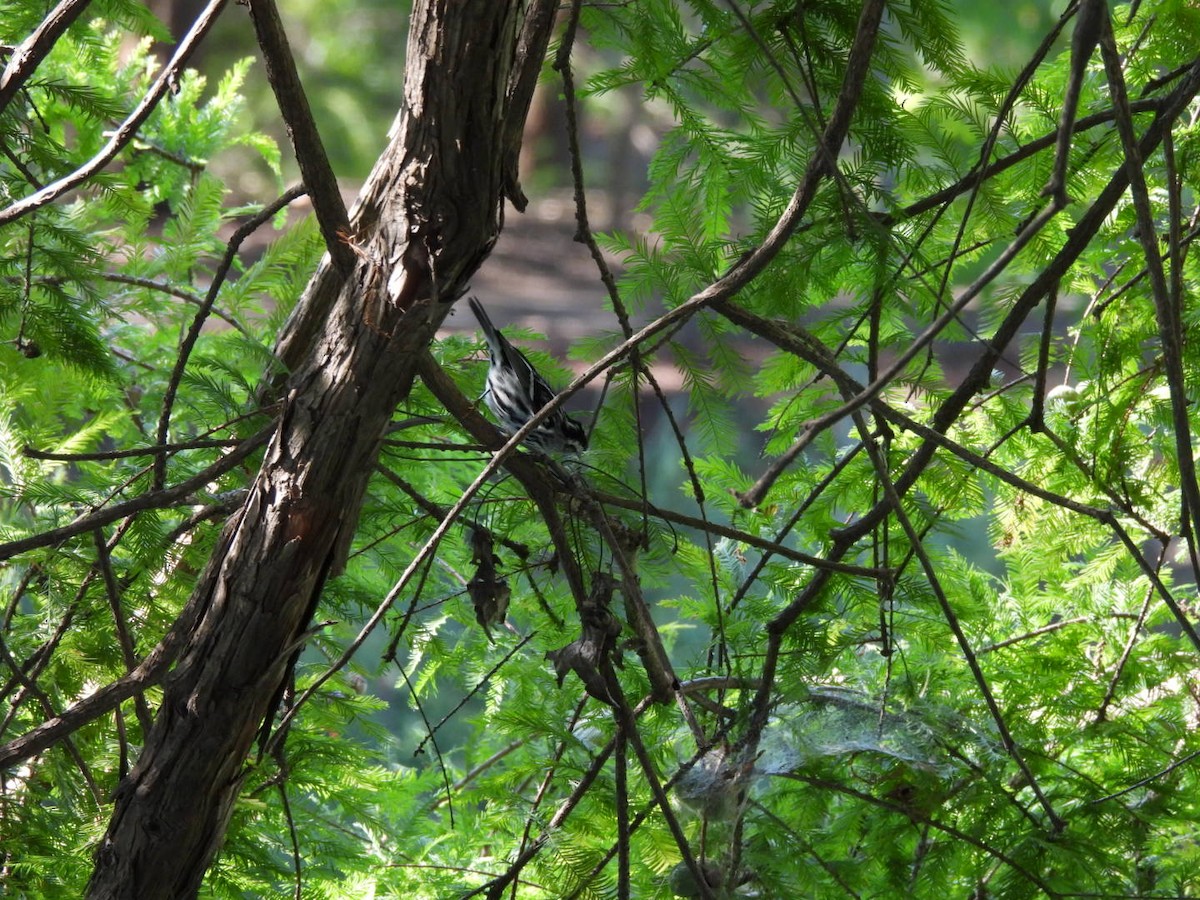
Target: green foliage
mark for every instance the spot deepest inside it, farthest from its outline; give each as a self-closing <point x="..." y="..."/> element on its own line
<point x="95" y="293"/>
<point x="936" y="644"/>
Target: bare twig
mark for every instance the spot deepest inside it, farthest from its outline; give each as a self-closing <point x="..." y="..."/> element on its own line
<point x="562" y="64"/>
<point x="735" y="534"/>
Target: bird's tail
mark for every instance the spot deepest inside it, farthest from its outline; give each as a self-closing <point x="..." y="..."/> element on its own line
<point x="489" y="330"/>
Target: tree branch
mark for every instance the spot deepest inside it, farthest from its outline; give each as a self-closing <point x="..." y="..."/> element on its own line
<point x="28" y="55"/>
<point x="128" y="129"/>
<point x="246" y="229"/>
<point x="149" y="500"/>
<point x="319" y="180"/>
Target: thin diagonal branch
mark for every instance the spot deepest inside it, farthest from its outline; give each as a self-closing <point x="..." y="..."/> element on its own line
<point x="315" y="170"/>
<point x="128" y="129"/>
<point x="28" y="55"/>
<point x="917" y="543"/>
<point x="150" y="500"/>
<point x="246" y="229"/>
<point x="1170" y="327"/>
<point x="124" y="640"/>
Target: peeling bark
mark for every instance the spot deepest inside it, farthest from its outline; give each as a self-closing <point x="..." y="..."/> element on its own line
<point x="429" y="214"/>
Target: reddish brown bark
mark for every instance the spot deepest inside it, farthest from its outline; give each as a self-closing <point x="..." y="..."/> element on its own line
<point x="429" y="214"/>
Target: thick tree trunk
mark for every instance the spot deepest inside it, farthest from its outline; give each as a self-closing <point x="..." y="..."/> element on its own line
<point x="429" y="214"/>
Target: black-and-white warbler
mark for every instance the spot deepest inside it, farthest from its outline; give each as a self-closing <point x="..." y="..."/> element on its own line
<point x="515" y="391"/>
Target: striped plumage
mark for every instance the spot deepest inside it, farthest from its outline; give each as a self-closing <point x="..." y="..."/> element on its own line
<point x="515" y="391"/>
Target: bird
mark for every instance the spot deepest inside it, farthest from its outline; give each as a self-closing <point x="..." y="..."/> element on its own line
<point x="515" y="392"/>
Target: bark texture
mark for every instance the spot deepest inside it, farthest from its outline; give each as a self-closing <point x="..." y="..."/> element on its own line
<point x="428" y="216"/>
